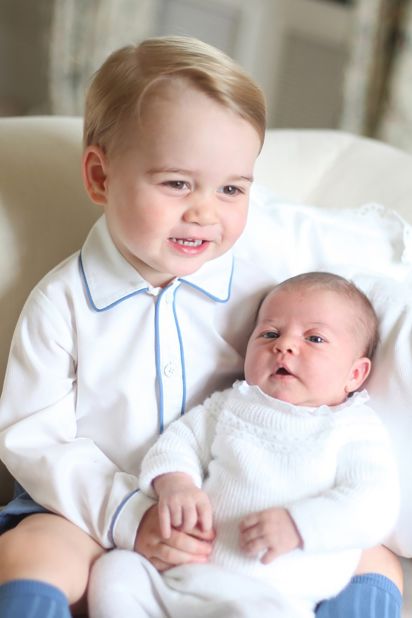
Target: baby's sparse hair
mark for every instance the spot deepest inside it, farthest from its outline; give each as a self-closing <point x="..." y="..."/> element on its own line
<point x="367" y="327"/>
<point x="117" y="91"/>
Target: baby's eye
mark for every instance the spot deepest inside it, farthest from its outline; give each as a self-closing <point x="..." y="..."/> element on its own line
<point x="315" y="339"/>
<point x="270" y="334"/>
<point x="231" y="190"/>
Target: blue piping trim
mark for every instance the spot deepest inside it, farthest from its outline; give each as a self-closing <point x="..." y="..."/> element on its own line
<point x="111" y="305"/>
<point x="212" y="296"/>
<point x="159" y="380"/>
<point x="182" y="356"/>
<point x="117" y="513"/>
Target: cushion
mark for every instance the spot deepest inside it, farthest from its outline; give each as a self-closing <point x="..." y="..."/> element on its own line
<point x="390" y="388"/>
<point x="289" y="238"/>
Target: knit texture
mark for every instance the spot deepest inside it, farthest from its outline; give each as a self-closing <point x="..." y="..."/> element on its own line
<point x="331" y="467"/>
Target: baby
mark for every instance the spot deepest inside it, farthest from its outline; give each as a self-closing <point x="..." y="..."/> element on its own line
<point x="290" y="467"/>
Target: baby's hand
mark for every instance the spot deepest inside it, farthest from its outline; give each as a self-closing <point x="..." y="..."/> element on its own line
<point x="182" y="505"/>
<point x="179" y="548"/>
<point x="272" y="530"/>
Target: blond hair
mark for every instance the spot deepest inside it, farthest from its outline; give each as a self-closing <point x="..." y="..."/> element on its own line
<point x="118" y="88"/>
<point x="367" y="325"/>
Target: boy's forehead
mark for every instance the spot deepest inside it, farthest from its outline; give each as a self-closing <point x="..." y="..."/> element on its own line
<point x="163" y="92"/>
<point x="191" y="132"/>
<point x="165" y="89"/>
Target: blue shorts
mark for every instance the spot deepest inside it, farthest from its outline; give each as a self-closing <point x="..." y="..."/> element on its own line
<point x="18" y="508"/>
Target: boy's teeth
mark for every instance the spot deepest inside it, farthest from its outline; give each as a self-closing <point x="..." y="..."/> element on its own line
<point x="187" y="243"/>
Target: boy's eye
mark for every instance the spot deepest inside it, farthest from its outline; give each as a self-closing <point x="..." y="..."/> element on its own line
<point x="176" y="184"/>
<point x="315" y="339"/>
<point x="231" y="190"/>
<point x="270" y="334"/>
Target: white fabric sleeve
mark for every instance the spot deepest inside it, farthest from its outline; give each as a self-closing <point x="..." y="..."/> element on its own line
<point x="66" y="474"/>
<point x="184" y="446"/>
<point x="361" y="508"/>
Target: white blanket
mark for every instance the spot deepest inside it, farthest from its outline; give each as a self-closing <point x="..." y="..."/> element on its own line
<point x="203" y="590"/>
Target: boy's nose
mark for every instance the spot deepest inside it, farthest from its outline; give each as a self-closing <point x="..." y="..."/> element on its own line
<point x="201" y="211"/>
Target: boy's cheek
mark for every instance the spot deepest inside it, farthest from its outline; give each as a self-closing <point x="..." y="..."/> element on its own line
<point x="241" y="226"/>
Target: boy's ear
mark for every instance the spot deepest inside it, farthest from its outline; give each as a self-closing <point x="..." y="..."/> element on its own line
<point x="358" y="374"/>
<point x="94" y="174"/>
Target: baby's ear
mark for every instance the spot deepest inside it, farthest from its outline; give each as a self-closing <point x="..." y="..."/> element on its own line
<point x="94" y="174"/>
<point x="358" y="374"/>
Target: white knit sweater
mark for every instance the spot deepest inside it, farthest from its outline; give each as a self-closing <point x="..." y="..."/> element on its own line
<point x="331" y="467"/>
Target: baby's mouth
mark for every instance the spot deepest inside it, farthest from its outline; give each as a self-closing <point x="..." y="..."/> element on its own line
<point x="282" y="371"/>
<point x="188" y="242"/>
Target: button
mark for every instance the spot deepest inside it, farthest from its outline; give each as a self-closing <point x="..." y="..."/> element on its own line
<point x="169" y="370"/>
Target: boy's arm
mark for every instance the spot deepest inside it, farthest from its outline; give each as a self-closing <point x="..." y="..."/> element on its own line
<point x="361" y="508"/>
<point x="66" y="474"/>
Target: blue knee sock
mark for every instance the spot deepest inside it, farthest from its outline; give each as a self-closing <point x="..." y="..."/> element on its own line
<point x="366" y="596"/>
<point x="27" y="598"/>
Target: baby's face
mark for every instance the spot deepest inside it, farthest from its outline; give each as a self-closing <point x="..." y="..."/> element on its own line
<point x="177" y="195"/>
<point x="304" y="348"/>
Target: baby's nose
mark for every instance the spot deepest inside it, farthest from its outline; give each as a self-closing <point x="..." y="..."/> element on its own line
<point x="285" y="345"/>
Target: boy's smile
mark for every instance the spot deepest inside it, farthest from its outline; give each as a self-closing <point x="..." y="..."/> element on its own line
<point x="176" y="195"/>
<point x="190" y="246"/>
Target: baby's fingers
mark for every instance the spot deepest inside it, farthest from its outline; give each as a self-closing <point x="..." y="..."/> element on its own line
<point x="165" y="523"/>
<point x="249" y="521"/>
<point x="205" y="517"/>
<point x="269" y="556"/>
<point x="251" y="542"/>
<point x="189" y="518"/>
<point x="252" y="534"/>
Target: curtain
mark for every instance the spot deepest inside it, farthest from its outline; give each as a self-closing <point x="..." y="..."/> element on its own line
<point x="377" y="99"/>
<point x="396" y="124"/>
<point x="83" y="33"/>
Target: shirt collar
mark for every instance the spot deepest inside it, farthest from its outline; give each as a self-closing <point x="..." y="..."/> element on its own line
<point x="110" y="279"/>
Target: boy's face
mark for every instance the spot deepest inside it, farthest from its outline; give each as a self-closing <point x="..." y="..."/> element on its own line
<point x="177" y="195"/>
<point x="304" y="349"/>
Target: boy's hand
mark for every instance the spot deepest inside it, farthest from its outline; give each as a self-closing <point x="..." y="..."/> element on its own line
<point x="179" y="548"/>
<point x="272" y="530"/>
<point x="182" y="505"/>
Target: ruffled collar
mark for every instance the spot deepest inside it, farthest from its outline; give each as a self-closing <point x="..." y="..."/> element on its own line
<point x="255" y="394"/>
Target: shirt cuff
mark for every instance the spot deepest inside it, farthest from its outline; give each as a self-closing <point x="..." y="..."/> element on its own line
<point x="127" y="519"/>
